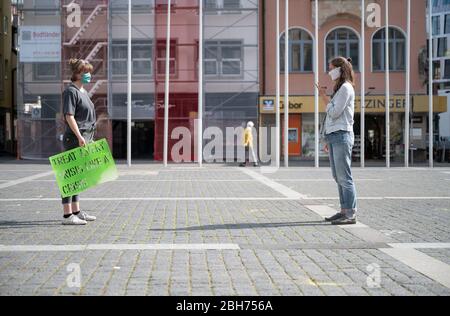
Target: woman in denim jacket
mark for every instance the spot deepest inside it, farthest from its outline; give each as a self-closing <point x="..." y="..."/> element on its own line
<point x="338" y="134"/>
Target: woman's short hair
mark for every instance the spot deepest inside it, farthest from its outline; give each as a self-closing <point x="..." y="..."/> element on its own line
<point x="79" y="66"/>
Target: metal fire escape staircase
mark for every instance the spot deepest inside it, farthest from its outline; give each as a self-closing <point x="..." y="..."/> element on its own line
<point x="92" y="47"/>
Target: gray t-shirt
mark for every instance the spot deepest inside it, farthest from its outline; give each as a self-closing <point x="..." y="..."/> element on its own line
<point x="78" y="104"/>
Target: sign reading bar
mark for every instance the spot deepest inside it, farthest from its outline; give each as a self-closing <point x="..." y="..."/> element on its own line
<point x="81" y="168"/>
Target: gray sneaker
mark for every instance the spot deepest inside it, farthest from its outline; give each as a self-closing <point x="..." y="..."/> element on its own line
<point x="344" y="221"/>
<point x="86" y="217"/>
<point x="73" y="220"/>
<point x="335" y="217"/>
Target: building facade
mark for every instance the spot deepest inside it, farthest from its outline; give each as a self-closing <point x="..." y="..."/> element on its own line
<point x="98" y="31"/>
<point x="340" y="35"/>
<point x="8" y="60"/>
<point x="441" y="59"/>
<point x="239" y="65"/>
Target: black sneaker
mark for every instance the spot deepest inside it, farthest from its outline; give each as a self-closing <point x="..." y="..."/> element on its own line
<point x="334" y="217"/>
<point x="344" y="221"/>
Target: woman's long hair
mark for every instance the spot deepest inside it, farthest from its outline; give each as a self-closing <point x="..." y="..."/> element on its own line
<point x="79" y="66"/>
<point x="347" y="74"/>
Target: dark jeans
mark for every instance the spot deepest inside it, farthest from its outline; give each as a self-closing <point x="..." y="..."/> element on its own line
<point x="70" y="141"/>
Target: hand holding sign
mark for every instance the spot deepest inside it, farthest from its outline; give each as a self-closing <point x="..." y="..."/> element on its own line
<point x="81" y="168"/>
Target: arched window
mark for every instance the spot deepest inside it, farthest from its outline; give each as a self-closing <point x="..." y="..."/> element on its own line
<point x="300" y="51"/>
<point x="343" y="42"/>
<point x="397" y="50"/>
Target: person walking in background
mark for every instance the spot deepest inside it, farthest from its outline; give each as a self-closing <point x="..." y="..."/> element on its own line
<point x="339" y="136"/>
<point x="248" y="144"/>
<point x="80" y="118"/>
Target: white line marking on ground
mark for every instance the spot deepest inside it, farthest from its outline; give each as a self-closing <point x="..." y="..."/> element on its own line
<point x="172" y="180"/>
<point x="383" y="198"/>
<point x="429" y="266"/>
<point x="162" y="199"/>
<point x="320" y="180"/>
<point x="442" y="245"/>
<point x="26" y="179"/>
<point x="137" y="173"/>
<point x="22" y="170"/>
<point x="287" y="192"/>
<point x="41" y="248"/>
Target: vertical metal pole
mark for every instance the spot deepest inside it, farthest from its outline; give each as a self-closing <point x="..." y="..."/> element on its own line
<point x="200" y="85"/>
<point x="277" y="99"/>
<point x="363" y="84"/>
<point x="316" y="80"/>
<point x="129" y="88"/>
<point x="388" y="102"/>
<point x="166" y="86"/>
<point x="408" y="82"/>
<point x="286" y="85"/>
<point x="430" y="85"/>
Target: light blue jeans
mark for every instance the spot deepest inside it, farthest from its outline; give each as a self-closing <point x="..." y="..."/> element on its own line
<point x="340" y="145"/>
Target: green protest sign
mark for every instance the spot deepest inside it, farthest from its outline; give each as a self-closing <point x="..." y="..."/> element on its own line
<point x="81" y="168"/>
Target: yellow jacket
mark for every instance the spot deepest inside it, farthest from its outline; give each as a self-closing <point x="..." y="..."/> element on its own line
<point x="248" y="137"/>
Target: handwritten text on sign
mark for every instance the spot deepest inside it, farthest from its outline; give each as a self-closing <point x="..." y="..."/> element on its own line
<point x="81" y="168"/>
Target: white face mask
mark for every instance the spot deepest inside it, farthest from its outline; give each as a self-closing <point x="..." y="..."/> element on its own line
<point x="335" y="73"/>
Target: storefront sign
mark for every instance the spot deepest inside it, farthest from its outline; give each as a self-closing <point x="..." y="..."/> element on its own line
<point x="40" y="44"/>
<point x="81" y="168"/>
<point x="374" y="104"/>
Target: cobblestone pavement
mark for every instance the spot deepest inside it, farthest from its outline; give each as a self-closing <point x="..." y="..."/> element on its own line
<point x="223" y="230"/>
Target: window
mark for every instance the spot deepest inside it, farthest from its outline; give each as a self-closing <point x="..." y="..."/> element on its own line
<point x="447" y="24"/>
<point x="442" y="47"/>
<point x="210" y="4"/>
<point x="436" y="25"/>
<point x="137" y="6"/>
<point x="436" y="70"/>
<point x="343" y="42"/>
<point x="397" y="50"/>
<point x="46" y="7"/>
<point x="447" y="69"/>
<point x="5" y="25"/>
<point x="161" y="57"/>
<point x="231" y="6"/>
<point x="223" y="58"/>
<point x="222" y="6"/>
<point x="141" y="53"/>
<point x="1" y="77"/>
<point x="46" y="71"/>
<point x="300" y="51"/>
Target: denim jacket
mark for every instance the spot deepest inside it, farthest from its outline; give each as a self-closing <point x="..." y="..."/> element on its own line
<point x="340" y="111"/>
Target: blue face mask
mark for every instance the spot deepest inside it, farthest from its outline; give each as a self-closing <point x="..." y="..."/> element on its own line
<point x="86" y="78"/>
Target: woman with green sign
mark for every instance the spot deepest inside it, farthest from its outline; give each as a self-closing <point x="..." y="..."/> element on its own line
<point x="79" y="114"/>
